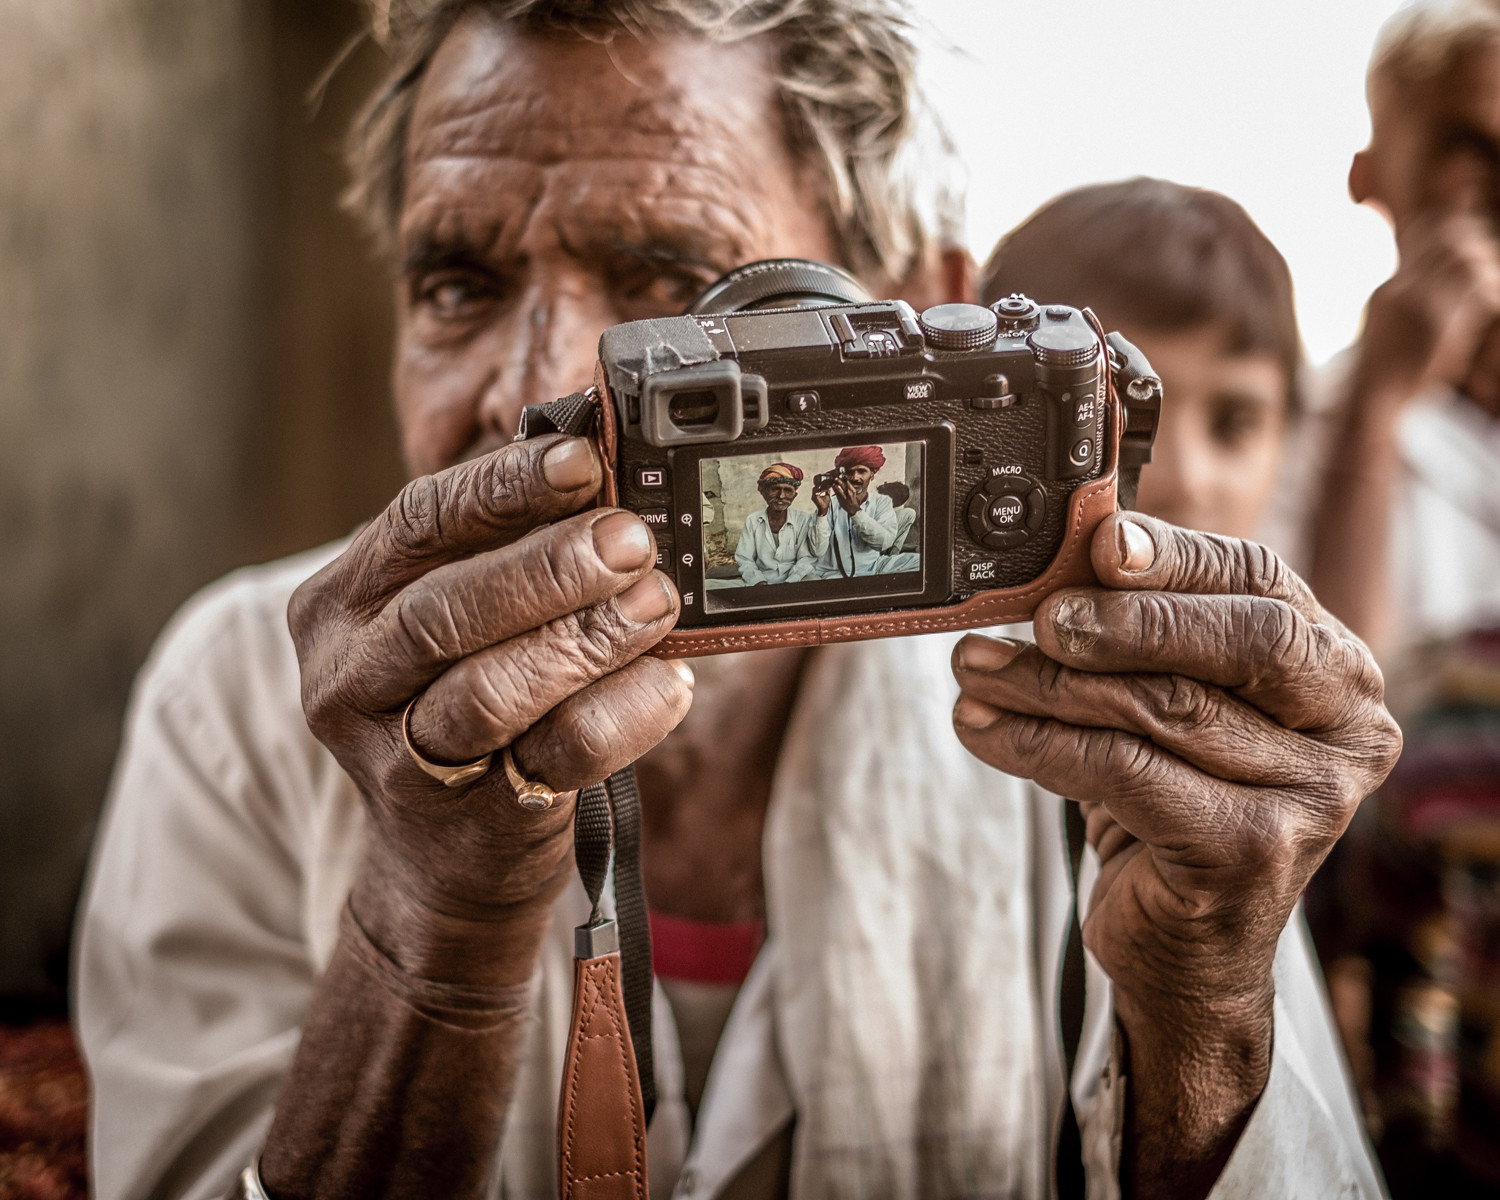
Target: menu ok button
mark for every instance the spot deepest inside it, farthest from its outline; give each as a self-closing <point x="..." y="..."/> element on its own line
<point x="1006" y="512"/>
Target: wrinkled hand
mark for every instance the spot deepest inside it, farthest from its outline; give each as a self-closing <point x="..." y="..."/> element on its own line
<point x="820" y="502"/>
<point x="1219" y="729"/>
<point x="1427" y="323"/>
<point x="510" y="631"/>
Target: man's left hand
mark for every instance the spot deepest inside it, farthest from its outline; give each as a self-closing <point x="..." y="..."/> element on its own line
<point x="1219" y="729"/>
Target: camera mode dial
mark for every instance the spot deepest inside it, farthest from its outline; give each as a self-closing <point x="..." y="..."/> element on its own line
<point x="1005" y="511"/>
<point x="959" y="327"/>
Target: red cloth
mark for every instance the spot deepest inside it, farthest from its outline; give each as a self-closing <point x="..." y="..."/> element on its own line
<point x="861" y="456"/>
<point x="43" y="1113"/>
<point x="704" y="951"/>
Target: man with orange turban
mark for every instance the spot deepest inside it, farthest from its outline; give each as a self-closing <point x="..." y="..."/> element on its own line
<point x="774" y="546"/>
<point x="851" y="538"/>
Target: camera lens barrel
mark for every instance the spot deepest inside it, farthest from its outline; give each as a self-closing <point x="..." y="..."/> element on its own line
<point x="780" y="283"/>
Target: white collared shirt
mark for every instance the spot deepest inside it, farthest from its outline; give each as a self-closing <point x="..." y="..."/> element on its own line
<point x="785" y="556"/>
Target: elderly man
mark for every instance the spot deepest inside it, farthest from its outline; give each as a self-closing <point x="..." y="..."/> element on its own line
<point x="774" y="546"/>
<point x="853" y="538"/>
<point x="300" y="952"/>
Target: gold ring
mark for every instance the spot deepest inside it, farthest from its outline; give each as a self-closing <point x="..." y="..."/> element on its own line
<point x="448" y="774"/>
<point x="535" y="796"/>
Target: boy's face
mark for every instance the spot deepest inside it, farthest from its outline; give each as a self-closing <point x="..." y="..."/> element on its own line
<point x="1435" y="149"/>
<point x="1223" y="421"/>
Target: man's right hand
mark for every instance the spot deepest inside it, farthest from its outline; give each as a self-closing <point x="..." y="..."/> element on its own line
<point x="1426" y="324"/>
<point x="514" y="620"/>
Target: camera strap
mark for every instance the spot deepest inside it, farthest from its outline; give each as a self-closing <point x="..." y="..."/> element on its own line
<point x="1071" y="1002"/>
<point x="609" y="1078"/>
<point x="609" y="1082"/>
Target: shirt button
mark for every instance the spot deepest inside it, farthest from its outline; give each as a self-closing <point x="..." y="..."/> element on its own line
<point x="688" y="1184"/>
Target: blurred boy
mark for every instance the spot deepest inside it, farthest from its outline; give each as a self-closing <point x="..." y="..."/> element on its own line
<point x="1187" y="276"/>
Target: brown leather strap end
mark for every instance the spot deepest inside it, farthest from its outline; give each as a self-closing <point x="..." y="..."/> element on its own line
<point x="601" y="1121"/>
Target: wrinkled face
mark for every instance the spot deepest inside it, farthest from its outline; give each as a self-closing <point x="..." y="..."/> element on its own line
<point x="778" y="496"/>
<point x="1223" y="423"/>
<point x="1438" y="148"/>
<point x="860" y="477"/>
<point x="557" y="186"/>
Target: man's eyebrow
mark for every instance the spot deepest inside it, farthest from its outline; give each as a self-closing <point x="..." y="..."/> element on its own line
<point x="435" y="254"/>
<point x="676" y="247"/>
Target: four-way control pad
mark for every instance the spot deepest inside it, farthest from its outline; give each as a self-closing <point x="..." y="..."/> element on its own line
<point x="1006" y="511"/>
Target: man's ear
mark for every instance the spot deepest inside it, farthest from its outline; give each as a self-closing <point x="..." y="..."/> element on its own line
<point x="946" y="274"/>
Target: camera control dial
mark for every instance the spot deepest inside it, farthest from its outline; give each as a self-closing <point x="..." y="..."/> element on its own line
<point x="959" y="327"/>
<point x="1069" y="344"/>
<point x="1006" y="511"/>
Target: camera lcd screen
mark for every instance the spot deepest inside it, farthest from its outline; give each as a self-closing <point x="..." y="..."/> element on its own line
<point x="795" y="526"/>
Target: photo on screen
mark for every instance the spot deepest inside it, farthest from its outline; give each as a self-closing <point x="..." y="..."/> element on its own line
<point x="828" y="514"/>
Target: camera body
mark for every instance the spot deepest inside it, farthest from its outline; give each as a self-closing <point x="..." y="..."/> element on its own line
<point x="1002" y="428"/>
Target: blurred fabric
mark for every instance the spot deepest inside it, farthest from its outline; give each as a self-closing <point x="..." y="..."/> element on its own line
<point x="43" y="1113"/>
<point x="1406" y="914"/>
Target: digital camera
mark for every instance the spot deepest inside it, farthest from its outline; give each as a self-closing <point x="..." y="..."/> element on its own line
<point x="819" y="466"/>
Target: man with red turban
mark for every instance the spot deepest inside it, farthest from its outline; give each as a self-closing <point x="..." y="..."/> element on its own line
<point x="775" y="544"/>
<point x="851" y="538"/>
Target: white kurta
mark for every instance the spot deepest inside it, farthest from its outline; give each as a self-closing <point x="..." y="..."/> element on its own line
<point x="839" y="537"/>
<point x="902" y="1008"/>
<point x="782" y="557"/>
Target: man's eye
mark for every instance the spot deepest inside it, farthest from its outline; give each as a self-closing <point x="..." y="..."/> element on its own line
<point x="1232" y="423"/>
<point x="456" y="295"/>
<point x="653" y="291"/>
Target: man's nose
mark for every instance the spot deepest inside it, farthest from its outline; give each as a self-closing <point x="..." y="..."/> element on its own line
<point x="548" y="350"/>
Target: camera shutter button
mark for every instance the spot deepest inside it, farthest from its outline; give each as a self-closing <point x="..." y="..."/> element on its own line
<point x="959" y="327"/>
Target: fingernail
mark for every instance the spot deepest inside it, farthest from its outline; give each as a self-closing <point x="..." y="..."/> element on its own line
<point x="979" y="653"/>
<point x="1137" y="550"/>
<point x="974" y="714"/>
<point x="1076" y="623"/>
<point x="646" y="600"/>
<point x="569" y="465"/>
<point x="622" y="541"/>
<point x="685" y="671"/>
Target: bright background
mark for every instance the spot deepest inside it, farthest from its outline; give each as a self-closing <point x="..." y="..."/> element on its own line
<point x="1262" y="101"/>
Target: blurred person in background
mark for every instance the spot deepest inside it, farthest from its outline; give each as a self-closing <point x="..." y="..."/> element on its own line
<point x="308" y="968"/>
<point x="1405" y="518"/>
<point x="1186" y="275"/>
<point x="1404" y="531"/>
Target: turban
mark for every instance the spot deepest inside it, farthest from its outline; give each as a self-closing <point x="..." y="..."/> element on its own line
<point x="861" y="456"/>
<point x="781" y="473"/>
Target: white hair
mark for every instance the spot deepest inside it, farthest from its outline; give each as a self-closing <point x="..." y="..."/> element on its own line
<point x="846" y="71"/>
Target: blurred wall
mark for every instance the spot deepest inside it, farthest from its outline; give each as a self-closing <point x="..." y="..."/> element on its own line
<point x="192" y="348"/>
